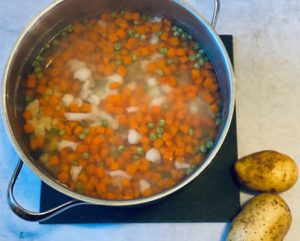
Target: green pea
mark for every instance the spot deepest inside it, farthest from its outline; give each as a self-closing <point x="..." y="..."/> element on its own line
<point x="152" y="137"/>
<point x="197" y="65"/>
<point x="174" y="28"/>
<point x="159" y="72"/>
<point x="134" y="57"/>
<point x="39" y="75"/>
<point x="122" y="12"/>
<point x="139" y="150"/>
<point x="82" y="136"/>
<point x="189" y="171"/>
<point x="176" y="34"/>
<point x="209" y="144"/>
<point x="189" y="36"/>
<point x="218" y="121"/>
<point x="191" y="132"/>
<point x="160" y="130"/>
<point x="121" y="149"/>
<point x="131" y="32"/>
<point x="85" y="155"/>
<point x="192" y="57"/>
<point x="202" y="148"/>
<point x="142" y="37"/>
<point x="137" y="35"/>
<point x="61" y="132"/>
<point x="161" y="122"/>
<point x="117" y="46"/>
<point x="74" y="163"/>
<point x="136" y="22"/>
<point x="104" y="123"/>
<point x="79" y="187"/>
<point x="85" y="131"/>
<point x="150" y="125"/>
<point x="179" y="30"/>
<point x="159" y="135"/>
<point x="38" y="70"/>
<point x="163" y="51"/>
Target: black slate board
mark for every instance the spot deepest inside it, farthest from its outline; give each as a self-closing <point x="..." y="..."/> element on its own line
<point x="211" y="197"/>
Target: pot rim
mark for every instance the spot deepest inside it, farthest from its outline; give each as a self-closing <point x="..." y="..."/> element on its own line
<point x="59" y="187"/>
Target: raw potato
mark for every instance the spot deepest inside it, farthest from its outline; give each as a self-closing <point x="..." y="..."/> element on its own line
<point x="267" y="171"/>
<point x="266" y="217"/>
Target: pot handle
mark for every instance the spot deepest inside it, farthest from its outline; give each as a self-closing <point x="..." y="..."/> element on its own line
<point x="29" y="215"/>
<point x="215" y="13"/>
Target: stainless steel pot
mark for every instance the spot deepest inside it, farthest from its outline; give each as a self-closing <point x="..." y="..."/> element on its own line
<point x="64" y="12"/>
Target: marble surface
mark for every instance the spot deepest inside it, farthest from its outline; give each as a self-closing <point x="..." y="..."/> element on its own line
<point x="267" y="59"/>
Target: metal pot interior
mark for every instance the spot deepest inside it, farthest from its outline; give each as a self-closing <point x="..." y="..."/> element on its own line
<point x="62" y="13"/>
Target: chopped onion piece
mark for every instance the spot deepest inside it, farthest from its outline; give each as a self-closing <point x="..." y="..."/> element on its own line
<point x="131" y="109"/>
<point x="94" y="100"/>
<point x="33" y="107"/>
<point x="65" y="143"/>
<point x="83" y="74"/>
<point x="131" y="85"/>
<point x="153" y="155"/>
<point x="193" y="107"/>
<point x="75" y="64"/>
<point x="156" y="19"/>
<point x="152" y="81"/>
<point x="119" y="173"/>
<point x="77" y="116"/>
<point x="144" y="185"/>
<point x="115" y="78"/>
<point x="158" y="101"/>
<point x="74" y="172"/>
<point x="166" y="88"/>
<point x="133" y="137"/>
<point x="68" y="99"/>
<point x="102" y="23"/>
<point x="154" y="39"/>
<point x="181" y="165"/>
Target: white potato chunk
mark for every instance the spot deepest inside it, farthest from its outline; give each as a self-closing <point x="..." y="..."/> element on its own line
<point x="153" y="155"/>
<point x="181" y="165"/>
<point x="133" y="137"/>
<point x="74" y="172"/>
<point x="65" y="143"/>
<point x="119" y="173"/>
<point x="68" y="99"/>
<point x="144" y="185"/>
<point x="83" y="74"/>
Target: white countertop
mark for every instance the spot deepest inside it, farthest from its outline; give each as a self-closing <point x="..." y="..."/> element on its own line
<point x="267" y="59"/>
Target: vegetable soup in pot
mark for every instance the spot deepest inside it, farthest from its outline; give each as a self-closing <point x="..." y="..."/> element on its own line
<point x="121" y="106"/>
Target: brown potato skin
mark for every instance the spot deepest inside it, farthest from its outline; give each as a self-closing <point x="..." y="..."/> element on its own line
<point x="265" y="217"/>
<point x="266" y="171"/>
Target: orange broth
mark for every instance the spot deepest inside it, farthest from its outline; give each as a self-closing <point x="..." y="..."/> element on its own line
<point x="121" y="106"/>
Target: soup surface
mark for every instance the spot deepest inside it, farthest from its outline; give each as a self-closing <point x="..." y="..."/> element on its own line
<point x="121" y="106"/>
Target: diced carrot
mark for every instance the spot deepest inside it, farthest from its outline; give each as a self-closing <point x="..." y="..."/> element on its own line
<point x="121" y="70"/>
<point x="115" y="85"/>
<point x="54" y="160"/>
<point x="85" y="107"/>
<point x="127" y="59"/>
<point x="28" y="128"/>
<point x="27" y="115"/>
<point x="174" y="41"/>
<point x="185" y="128"/>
